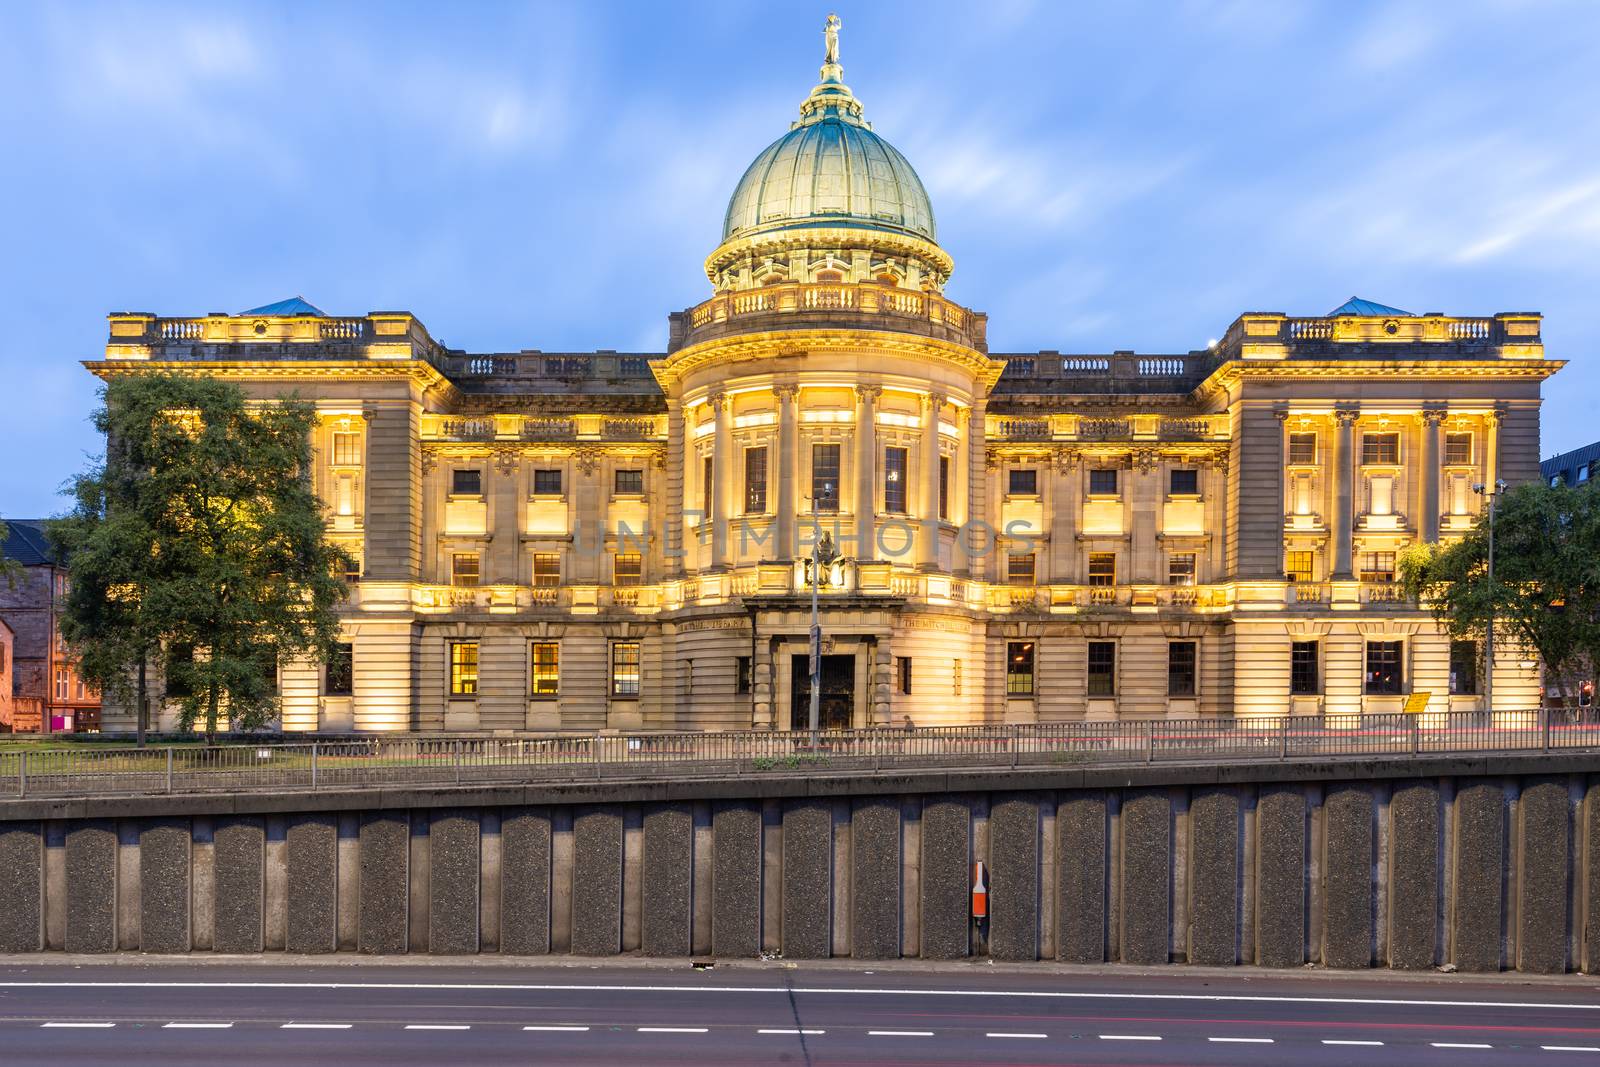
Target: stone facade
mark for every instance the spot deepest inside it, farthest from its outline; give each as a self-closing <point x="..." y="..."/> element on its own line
<point x="615" y="541"/>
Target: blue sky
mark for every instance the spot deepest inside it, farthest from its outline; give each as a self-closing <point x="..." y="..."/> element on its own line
<point x="551" y="176"/>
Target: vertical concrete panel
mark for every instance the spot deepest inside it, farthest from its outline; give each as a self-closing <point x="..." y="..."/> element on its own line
<point x="667" y="880"/>
<point x="419" y="892"/>
<point x="203" y="900"/>
<point x="348" y="911"/>
<point x="700" y="895"/>
<point x="597" y="882"/>
<point x="384" y="892"/>
<point x="1590" y="940"/>
<point x="946" y="879"/>
<point x="841" y="908"/>
<point x="1280" y="877"/>
<point x="1146" y="877"/>
<point x="561" y="879"/>
<point x="311" y="853"/>
<point x="807" y="879"/>
<point x="489" y="881"/>
<point x="275" y="884"/>
<point x="1413" y="875"/>
<point x="164" y="881"/>
<point x="127" y="920"/>
<point x="239" y="861"/>
<point x="1081" y="881"/>
<point x="736" y="880"/>
<point x="55" y="884"/>
<point x="772" y="875"/>
<point x="911" y="876"/>
<point x="1542" y="894"/>
<point x="1347" y="878"/>
<point x="1480" y="863"/>
<point x="1014" y="878"/>
<point x="21" y="887"/>
<point x="525" y="882"/>
<point x="875" y="879"/>
<point x="453" y="883"/>
<point x="1214" y="878"/>
<point x="91" y="886"/>
<point x="632" y="876"/>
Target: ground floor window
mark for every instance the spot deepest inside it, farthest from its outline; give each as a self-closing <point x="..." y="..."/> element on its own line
<point x="1102" y="668"/>
<point x="1384" y="675"/>
<point x="903" y="671"/>
<point x="1464" y="668"/>
<point x="463" y="668"/>
<point x="1303" y="669"/>
<point x="742" y="675"/>
<point x="1019" y="668"/>
<point x="1181" y="660"/>
<point x="546" y="669"/>
<point x="625" y="668"/>
<point x="338" y="678"/>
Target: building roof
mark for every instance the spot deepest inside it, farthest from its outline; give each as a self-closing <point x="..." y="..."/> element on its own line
<point x="295" y="305"/>
<point x="27" y="543"/>
<point x="1357" y="306"/>
<point x="1569" y="464"/>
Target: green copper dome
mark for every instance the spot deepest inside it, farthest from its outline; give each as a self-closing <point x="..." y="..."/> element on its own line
<point x="830" y="169"/>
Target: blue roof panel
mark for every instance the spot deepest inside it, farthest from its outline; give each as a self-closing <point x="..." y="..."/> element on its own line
<point x="295" y="305"/>
<point x="1357" y="306"/>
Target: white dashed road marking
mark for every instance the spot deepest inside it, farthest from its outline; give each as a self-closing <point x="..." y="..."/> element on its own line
<point x="1457" y="1044"/>
<point x="436" y="1026"/>
<point x="559" y="1029"/>
<point x="1556" y="1048"/>
<point x="672" y="1029"/>
<point x="791" y="1031"/>
<point x="1241" y="1040"/>
<point x="1016" y="1035"/>
<point x="315" y="1026"/>
<point x="1129" y="1037"/>
<point x="77" y="1026"/>
<point x="197" y="1026"/>
<point x="1331" y="1041"/>
<point x="899" y="1033"/>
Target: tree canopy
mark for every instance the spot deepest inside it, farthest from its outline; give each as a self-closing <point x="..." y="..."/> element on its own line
<point x="198" y="546"/>
<point x="1545" y="594"/>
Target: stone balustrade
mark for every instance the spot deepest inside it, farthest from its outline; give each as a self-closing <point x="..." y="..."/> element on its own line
<point x="801" y="304"/>
<point x="1138" y="427"/>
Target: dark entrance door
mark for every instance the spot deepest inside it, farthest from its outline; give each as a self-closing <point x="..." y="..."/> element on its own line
<point x="838" y="693"/>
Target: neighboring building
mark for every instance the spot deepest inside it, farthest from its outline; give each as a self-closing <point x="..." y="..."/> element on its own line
<point x="1572" y="468"/>
<point x="46" y="693"/>
<point x="8" y="703"/>
<point x="607" y="540"/>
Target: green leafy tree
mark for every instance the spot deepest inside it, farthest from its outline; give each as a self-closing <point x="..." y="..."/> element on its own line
<point x="1545" y="594"/>
<point x="199" y="547"/>
<point x="10" y="569"/>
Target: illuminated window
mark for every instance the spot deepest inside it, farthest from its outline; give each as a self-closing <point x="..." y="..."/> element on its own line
<point x="463" y="668"/>
<point x="755" y="481"/>
<point x="944" y="487"/>
<point x="1102" y="668"/>
<point x="627" y="568"/>
<point x="338" y="678"/>
<point x="1384" y="675"/>
<point x="1302" y="449"/>
<point x="1019" y="668"/>
<point x="1382" y="449"/>
<point x="1458" y="449"/>
<point x="1024" y="482"/>
<point x="547" y="483"/>
<point x="1180" y="568"/>
<point x="894" y="481"/>
<point x="1299" y="566"/>
<point x="1181" y="660"/>
<point x="346" y="449"/>
<point x="625" y="668"/>
<point x="466" y="482"/>
<point x="629" y="483"/>
<point x="1102" y="568"/>
<point x="708" y="471"/>
<point x="546" y="569"/>
<point x="1464" y="668"/>
<point x="546" y="669"/>
<point x="1377" y="567"/>
<point x="1184" y="482"/>
<point x="1020" y="568"/>
<point x="464" y="569"/>
<point x="1103" y="481"/>
<point x="1303" y="669"/>
<point x="825" y="477"/>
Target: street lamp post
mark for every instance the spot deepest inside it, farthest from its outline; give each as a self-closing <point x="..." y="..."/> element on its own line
<point x="1491" y="496"/>
<point x="824" y="554"/>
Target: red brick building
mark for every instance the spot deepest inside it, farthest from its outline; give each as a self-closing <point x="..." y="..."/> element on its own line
<point x="43" y="692"/>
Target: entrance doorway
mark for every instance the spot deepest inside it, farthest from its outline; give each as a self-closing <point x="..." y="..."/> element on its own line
<point x="838" y="701"/>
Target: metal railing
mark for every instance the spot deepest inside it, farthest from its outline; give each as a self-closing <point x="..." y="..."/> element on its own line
<point x="415" y="760"/>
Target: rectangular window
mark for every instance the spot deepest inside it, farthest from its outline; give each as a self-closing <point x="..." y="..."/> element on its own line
<point x="1185" y="482"/>
<point x="352" y="568"/>
<point x="1299" y="566"/>
<point x="629" y="483"/>
<point x="627" y="568"/>
<point x="62" y="685"/>
<point x="1102" y="668"/>
<point x="742" y="675"/>
<point x="547" y="483"/>
<point x="546" y="569"/>
<point x="944" y="487"/>
<point x="825" y="477"/>
<point x="1383" y="666"/>
<point x="338" y="677"/>
<point x="180" y="658"/>
<point x="1180" y="568"/>
<point x="346" y="449"/>
<point x="1181" y="658"/>
<point x="463" y="668"/>
<point x="1382" y="449"/>
<point x="755" y="481"/>
<point x="625" y="669"/>
<point x="1377" y="567"/>
<point x="1464" y="668"/>
<point x="1020" y="568"/>
<point x="1102" y="568"/>
<point x="466" y="482"/>
<point x="894" y="481"/>
<point x="1458" y="449"/>
<point x="903" y="673"/>
<point x="1019" y="668"/>
<point x="1103" y="481"/>
<point x="708" y="473"/>
<point x="1303" y="669"/>
<point x="1302" y="449"/>
<point x="464" y="569"/>
<point x="546" y="673"/>
<point x="1024" y="482"/>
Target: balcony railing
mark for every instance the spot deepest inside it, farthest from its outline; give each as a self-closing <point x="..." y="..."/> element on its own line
<point x="1132" y="427"/>
<point x="872" y="304"/>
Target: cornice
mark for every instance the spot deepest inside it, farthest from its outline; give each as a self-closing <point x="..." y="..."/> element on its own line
<point x="1295" y="370"/>
<point x="770" y="343"/>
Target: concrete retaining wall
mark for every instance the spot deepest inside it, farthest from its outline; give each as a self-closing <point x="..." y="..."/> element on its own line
<point x="1483" y="868"/>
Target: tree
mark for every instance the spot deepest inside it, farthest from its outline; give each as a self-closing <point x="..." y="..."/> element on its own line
<point x="1545" y="597"/>
<point x="10" y="569"/>
<point x="199" y="546"/>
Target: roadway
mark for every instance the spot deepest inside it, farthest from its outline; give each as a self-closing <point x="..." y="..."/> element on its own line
<point x="175" y="1013"/>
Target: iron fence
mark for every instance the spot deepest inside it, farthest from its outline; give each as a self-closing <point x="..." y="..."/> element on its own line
<point x="385" y="760"/>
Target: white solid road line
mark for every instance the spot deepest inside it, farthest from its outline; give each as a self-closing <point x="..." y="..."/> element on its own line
<point x="672" y="1029"/>
<point x="1559" y="1048"/>
<point x="559" y="1029"/>
<point x="1016" y="1035"/>
<point x="437" y="1026"/>
<point x="1457" y="1044"/>
<point x="791" y="1032"/>
<point x="1241" y="1040"/>
<point x="77" y="1026"/>
<point x="899" y="1033"/>
<point x="1129" y="1037"/>
<point x="315" y="1026"/>
<point x="1332" y="1041"/>
<point x="197" y="1026"/>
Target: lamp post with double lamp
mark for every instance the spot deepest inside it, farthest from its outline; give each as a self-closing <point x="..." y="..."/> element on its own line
<point x="1491" y="496"/>
<point x="824" y="555"/>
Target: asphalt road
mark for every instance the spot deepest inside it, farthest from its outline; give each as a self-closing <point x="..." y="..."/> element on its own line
<point x="896" y="1015"/>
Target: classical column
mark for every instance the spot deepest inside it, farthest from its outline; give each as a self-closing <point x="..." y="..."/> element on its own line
<point x="1063" y="523"/>
<point x="785" y="545"/>
<point x="977" y="544"/>
<point x="588" y="537"/>
<point x="1344" y="493"/>
<point x="721" y="478"/>
<point x="927" y="501"/>
<point x="1428" y="474"/>
<point x="1491" y="446"/>
<point x="673" y="547"/>
<point x="1145" y="507"/>
<point x="866" y="472"/>
<point x="505" y="527"/>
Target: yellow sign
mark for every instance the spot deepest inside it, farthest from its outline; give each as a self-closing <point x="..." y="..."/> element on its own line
<point x="1417" y="703"/>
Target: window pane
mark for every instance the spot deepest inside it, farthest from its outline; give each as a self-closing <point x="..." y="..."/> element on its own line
<point x="1185" y="482"/>
<point x="1019" y="668"/>
<point x="1102" y="568"/>
<point x="755" y="481"/>
<point x="1024" y="483"/>
<point x="894" y="481"/>
<point x="1299" y="566"/>
<point x="630" y="483"/>
<point x="625" y="668"/>
<point x="1377" y="567"/>
<point x="1458" y="448"/>
<point x="466" y="483"/>
<point x="546" y="668"/>
<point x="547" y="483"/>
<point x="339" y="676"/>
<point x="1302" y="449"/>
<point x="346" y="450"/>
<point x="1181" y="668"/>
<point x="708" y="471"/>
<point x="1102" y="668"/>
<point x="464" y="569"/>
<point x="546" y="569"/>
<point x="742" y="680"/>
<point x="825" y="477"/>
<point x="1383" y="666"/>
<point x="1180" y="568"/>
<point x="944" y="487"/>
<point x="1464" y="667"/>
<point x="627" y="568"/>
<point x="1103" y="482"/>
<point x="1381" y="448"/>
<point x="1020" y="568"/>
<point x="903" y="670"/>
<point x="1303" y="668"/>
<point x="463" y="668"/>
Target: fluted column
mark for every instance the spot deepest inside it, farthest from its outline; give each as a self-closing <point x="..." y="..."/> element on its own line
<point x="927" y="502"/>
<point x="1429" y="475"/>
<point x="721" y="478"/>
<point x="1344" y="493"/>
<point x="1064" y="498"/>
<point x="866" y="546"/>
<point x="978" y="543"/>
<point x="673" y="546"/>
<point x="788" y="459"/>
